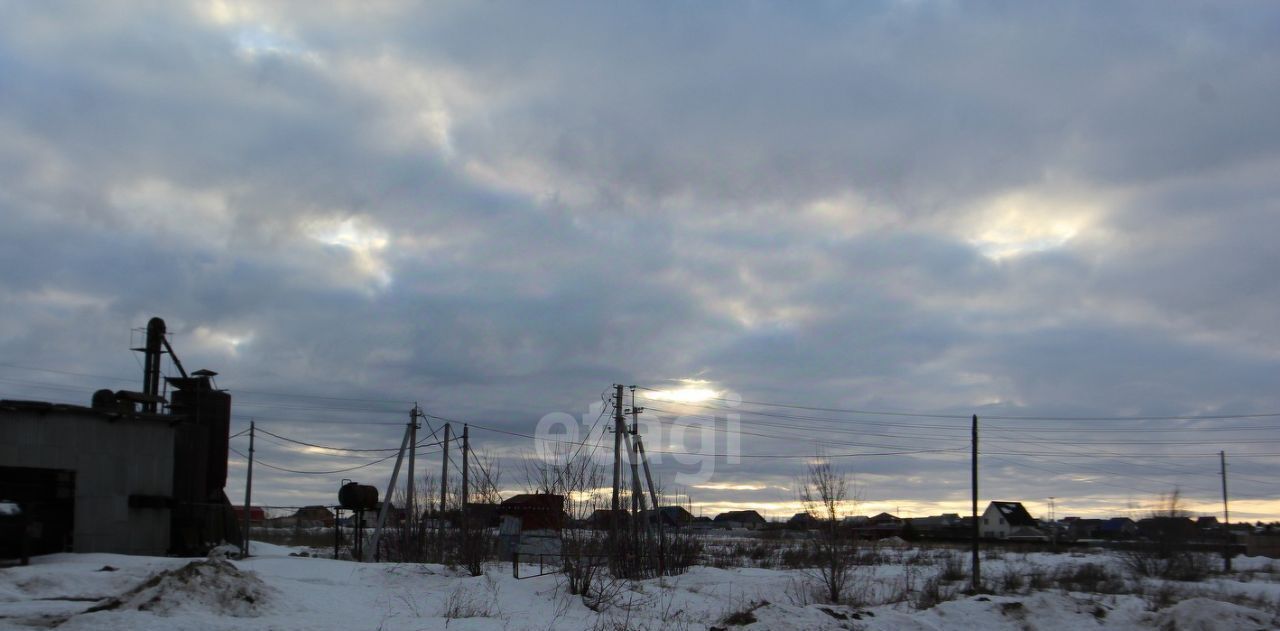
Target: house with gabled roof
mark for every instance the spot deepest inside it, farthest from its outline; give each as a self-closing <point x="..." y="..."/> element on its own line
<point x="740" y="519"/>
<point x="1003" y="520"/>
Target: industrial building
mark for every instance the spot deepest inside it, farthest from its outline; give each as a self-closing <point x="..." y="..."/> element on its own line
<point x="131" y="473"/>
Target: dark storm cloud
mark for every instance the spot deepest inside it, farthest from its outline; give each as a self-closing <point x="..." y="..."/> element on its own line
<point x="498" y="211"/>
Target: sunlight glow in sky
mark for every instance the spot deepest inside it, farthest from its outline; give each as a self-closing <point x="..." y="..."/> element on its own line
<point x="685" y="395"/>
<point x="1023" y="223"/>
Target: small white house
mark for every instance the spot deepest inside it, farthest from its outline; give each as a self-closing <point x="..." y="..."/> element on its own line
<point x="1003" y="520"/>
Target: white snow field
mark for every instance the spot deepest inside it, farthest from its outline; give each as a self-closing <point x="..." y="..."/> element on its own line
<point x="274" y="590"/>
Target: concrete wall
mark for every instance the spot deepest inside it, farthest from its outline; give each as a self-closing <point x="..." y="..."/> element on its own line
<point x="112" y="459"/>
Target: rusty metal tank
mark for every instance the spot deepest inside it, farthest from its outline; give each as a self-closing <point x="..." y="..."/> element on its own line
<point x="354" y="496"/>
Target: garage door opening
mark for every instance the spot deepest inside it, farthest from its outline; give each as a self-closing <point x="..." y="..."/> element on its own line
<point x="47" y="499"/>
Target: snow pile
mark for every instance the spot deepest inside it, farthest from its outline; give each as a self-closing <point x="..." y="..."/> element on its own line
<point x="213" y="585"/>
<point x="1203" y="614"/>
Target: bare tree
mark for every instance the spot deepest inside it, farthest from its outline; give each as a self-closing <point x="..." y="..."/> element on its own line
<point x="825" y="493"/>
<point x="573" y="474"/>
<point x="1165" y="550"/>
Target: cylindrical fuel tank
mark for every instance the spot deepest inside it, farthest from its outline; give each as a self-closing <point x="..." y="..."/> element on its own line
<point x="354" y="496"/>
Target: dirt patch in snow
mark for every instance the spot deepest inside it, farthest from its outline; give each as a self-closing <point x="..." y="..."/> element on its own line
<point x="213" y="585"/>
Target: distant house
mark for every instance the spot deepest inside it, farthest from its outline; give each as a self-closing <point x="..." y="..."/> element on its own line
<point x="802" y="521"/>
<point x="1167" y="529"/>
<point x="603" y="518"/>
<point x="1003" y="520"/>
<point x="671" y="516"/>
<point x="1080" y="528"/>
<point x="256" y="515"/>
<point x="530" y="525"/>
<point x="944" y="526"/>
<point x="305" y="517"/>
<point x="885" y="519"/>
<point x="740" y="519"/>
<point x="1117" y="528"/>
<point x="1208" y="524"/>
<point x="537" y="511"/>
<point x="702" y="522"/>
<point x="880" y="526"/>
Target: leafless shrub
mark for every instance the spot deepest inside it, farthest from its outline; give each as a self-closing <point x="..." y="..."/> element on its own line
<point x="1011" y="580"/>
<point x="825" y="493"/>
<point x="1166" y="554"/>
<point x="932" y="593"/>
<point x="461" y="603"/>
<point x="1089" y="577"/>
<point x="952" y="568"/>
<point x="1038" y="579"/>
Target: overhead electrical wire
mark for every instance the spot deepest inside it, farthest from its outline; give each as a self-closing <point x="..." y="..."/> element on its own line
<point x="422" y="443"/>
<point x="994" y="416"/>
<point x="286" y="470"/>
<point x="720" y="455"/>
<point x="751" y="417"/>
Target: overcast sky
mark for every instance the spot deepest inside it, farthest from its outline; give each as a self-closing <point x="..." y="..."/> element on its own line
<point x="498" y="210"/>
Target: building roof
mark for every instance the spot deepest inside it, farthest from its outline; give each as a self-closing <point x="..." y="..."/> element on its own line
<point x="1117" y="523"/>
<point x="45" y="407"/>
<point x="675" y="514"/>
<point x="741" y="515"/>
<point x="1014" y="513"/>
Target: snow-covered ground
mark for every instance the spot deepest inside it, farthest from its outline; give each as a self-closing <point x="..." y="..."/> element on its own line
<point x="274" y="590"/>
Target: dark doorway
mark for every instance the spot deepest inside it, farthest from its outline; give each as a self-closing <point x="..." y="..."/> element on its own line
<point x="47" y="498"/>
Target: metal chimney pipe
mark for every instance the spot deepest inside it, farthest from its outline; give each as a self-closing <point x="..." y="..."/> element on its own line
<point x="151" y="366"/>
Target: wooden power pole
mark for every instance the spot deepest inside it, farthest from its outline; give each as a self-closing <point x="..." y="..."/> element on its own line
<point x="248" y="494"/>
<point x="409" y="505"/>
<point x="466" y="473"/>
<point x="1226" y="516"/>
<point x="977" y="562"/>
<point x="444" y="491"/>
<point x="637" y="496"/>
<point x="619" y="424"/>
<point x="386" y="499"/>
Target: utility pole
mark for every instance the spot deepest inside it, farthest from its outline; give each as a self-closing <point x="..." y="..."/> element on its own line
<point x="1226" y="516"/>
<point x="466" y="474"/>
<point x="386" y="499"/>
<point x="409" y="504"/>
<point x="977" y="562"/>
<point x="248" y="494"/>
<point x="657" y="513"/>
<point x="1053" y="524"/>
<point x="444" y="490"/>
<point x="637" y="496"/>
<point x="618" y="422"/>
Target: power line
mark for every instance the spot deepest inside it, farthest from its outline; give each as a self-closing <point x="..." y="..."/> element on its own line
<point x="995" y="416"/>
<point x="352" y="449"/>
<point x="1141" y="455"/>
<point x="311" y="421"/>
<point x="719" y="455"/>
<point x="286" y="470"/>
<point x="821" y="440"/>
<point x="485" y="471"/>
